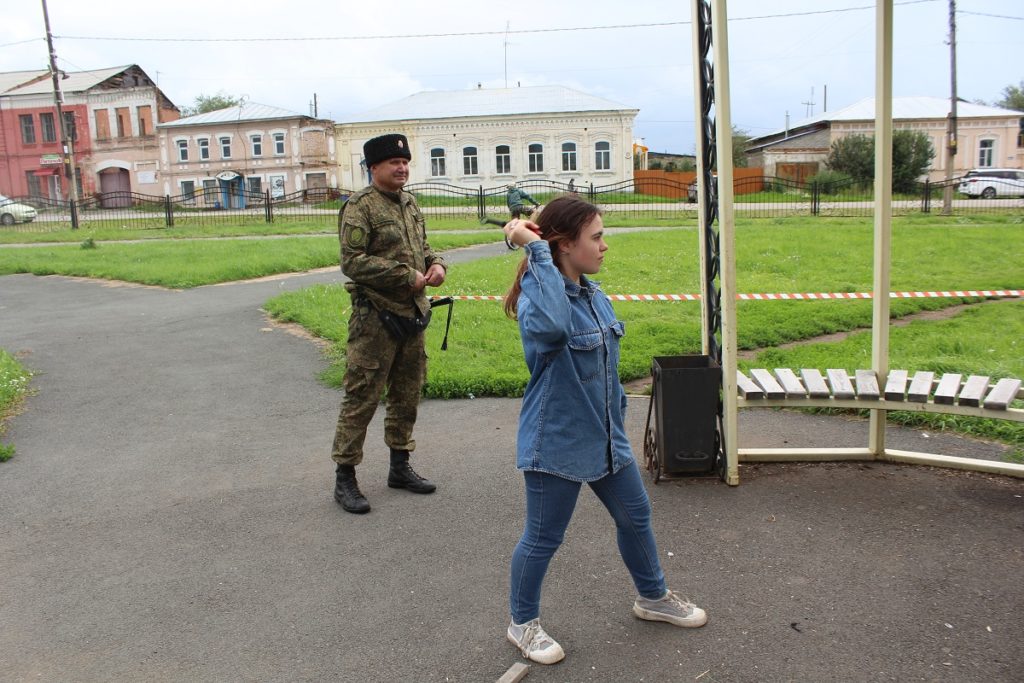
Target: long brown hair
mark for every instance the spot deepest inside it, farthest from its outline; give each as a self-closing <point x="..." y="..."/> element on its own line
<point x="561" y="220"/>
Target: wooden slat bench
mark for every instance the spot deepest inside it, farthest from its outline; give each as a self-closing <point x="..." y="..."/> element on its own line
<point x="976" y="396"/>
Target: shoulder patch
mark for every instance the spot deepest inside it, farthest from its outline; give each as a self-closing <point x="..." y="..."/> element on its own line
<point x="355" y="235"/>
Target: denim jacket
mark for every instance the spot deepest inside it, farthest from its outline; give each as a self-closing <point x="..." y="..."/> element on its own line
<point x="571" y="423"/>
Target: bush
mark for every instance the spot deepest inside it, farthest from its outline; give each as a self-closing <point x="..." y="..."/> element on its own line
<point x="830" y="182"/>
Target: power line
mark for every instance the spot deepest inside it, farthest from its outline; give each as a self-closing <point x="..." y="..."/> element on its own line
<point x="22" y="42"/>
<point x="475" y="33"/>
<point x="983" y="14"/>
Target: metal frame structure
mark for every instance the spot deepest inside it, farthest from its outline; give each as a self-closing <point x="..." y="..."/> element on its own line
<point x="717" y="249"/>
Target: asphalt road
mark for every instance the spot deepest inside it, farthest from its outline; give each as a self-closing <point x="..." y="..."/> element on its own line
<point x="168" y="517"/>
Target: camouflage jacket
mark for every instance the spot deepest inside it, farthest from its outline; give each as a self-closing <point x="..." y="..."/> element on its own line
<point x="383" y="243"/>
<point x="517" y="197"/>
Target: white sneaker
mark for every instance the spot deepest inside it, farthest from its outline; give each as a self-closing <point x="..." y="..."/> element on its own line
<point x="534" y="643"/>
<point x="670" y="608"/>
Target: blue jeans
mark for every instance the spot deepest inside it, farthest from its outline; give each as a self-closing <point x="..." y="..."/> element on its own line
<point x="550" y="501"/>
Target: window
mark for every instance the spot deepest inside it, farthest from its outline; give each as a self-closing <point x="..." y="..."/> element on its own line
<point x="437" y="162"/>
<point x="568" y="156"/>
<point x="124" y="122"/>
<point x="35" y="188"/>
<point x="225" y="147"/>
<point x="204" y="148"/>
<point x="102" y="124"/>
<point x="257" y="145"/>
<point x="210" y="194"/>
<point x="279" y="144"/>
<point x="182" y="150"/>
<point x="145" y="114"/>
<point x="985" y="150"/>
<point x="28" y="129"/>
<point x="188" y="190"/>
<point x="469" y="162"/>
<point x="536" y="153"/>
<point x="603" y="156"/>
<point x="1020" y="135"/>
<point x="503" y="159"/>
<point x="49" y="130"/>
<point x="255" y="184"/>
<point x="69" y="126"/>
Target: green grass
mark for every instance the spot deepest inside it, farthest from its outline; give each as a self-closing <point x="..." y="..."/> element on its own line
<point x="14" y="379"/>
<point x="485" y="358"/>
<point x="192" y="263"/>
<point x="982" y="340"/>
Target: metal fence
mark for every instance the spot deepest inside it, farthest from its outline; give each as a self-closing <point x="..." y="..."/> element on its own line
<point x="654" y="199"/>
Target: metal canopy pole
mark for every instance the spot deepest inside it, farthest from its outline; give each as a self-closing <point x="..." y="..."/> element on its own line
<point x="717" y="259"/>
<point x="883" y="215"/>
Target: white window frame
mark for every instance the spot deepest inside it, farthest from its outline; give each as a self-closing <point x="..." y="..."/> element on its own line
<point x="188" y="196"/>
<point x="471" y="161"/>
<point x="225" y="145"/>
<point x="182" y="145"/>
<point x="602" y="157"/>
<point x="505" y="157"/>
<point x="568" y="156"/>
<point x="437" y="162"/>
<point x="536" y="158"/>
<point x="990" y="149"/>
<point x="254" y="179"/>
<point x="279" y="149"/>
<point x="203" y="145"/>
<point x="256" y="140"/>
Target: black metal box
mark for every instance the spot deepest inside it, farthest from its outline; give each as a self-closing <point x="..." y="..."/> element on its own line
<point x="686" y="393"/>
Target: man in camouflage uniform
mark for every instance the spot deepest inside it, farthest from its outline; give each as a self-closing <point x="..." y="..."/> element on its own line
<point x="385" y="255"/>
<point x="516" y="200"/>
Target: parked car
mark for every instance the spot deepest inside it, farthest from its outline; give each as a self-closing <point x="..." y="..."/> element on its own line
<point x="12" y="212"/>
<point x="993" y="182"/>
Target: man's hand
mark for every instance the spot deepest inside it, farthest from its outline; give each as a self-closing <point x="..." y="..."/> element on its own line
<point x="435" y="275"/>
<point x="420" y="283"/>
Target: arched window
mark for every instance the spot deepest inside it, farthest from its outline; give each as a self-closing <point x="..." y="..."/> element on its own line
<point x="437" y="162"/>
<point x="469" y="162"/>
<point x="536" y="153"/>
<point x="603" y="156"/>
<point x="568" y="156"/>
<point x="503" y="159"/>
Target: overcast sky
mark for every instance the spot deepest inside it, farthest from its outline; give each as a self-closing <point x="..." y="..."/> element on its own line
<point x="776" y="61"/>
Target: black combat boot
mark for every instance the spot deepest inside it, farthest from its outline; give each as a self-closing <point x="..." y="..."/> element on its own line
<point x="402" y="476"/>
<point x="346" y="491"/>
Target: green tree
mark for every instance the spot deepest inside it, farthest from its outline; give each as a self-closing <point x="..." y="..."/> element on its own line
<point x="912" y="155"/>
<point x="1013" y="97"/>
<point x="740" y="144"/>
<point x="208" y="103"/>
<point x="853" y="155"/>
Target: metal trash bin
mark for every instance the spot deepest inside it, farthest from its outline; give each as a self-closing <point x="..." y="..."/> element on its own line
<point x="684" y="398"/>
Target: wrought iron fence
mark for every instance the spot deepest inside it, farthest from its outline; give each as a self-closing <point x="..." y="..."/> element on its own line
<point x="654" y="199"/>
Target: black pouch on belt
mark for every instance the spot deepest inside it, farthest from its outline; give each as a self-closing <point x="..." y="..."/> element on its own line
<point x="401" y="327"/>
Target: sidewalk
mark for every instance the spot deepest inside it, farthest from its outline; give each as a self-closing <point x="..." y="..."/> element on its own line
<point x="168" y="517"/>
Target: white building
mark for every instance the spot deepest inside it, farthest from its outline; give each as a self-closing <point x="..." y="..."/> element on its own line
<point x="490" y="137"/>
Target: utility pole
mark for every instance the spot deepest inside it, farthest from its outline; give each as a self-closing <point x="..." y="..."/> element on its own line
<point x="506" y="53"/>
<point x="947" y="191"/>
<point x="67" y="141"/>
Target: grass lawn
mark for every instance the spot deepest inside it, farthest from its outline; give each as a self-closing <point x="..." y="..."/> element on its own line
<point x="14" y="379"/>
<point x="192" y="263"/>
<point x="484" y="355"/>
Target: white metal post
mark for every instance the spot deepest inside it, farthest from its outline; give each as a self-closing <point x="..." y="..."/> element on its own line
<point x="883" y="214"/>
<point x="726" y="236"/>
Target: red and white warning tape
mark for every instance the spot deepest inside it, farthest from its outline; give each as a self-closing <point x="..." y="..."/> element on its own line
<point x="784" y="296"/>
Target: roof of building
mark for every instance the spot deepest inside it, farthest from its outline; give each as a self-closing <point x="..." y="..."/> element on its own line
<point x="73" y="81"/>
<point x="447" y="104"/>
<point x="247" y="111"/>
<point x="12" y="79"/>
<point x="903" y="108"/>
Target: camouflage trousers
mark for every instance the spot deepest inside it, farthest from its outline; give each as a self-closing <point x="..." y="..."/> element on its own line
<point x="375" y="363"/>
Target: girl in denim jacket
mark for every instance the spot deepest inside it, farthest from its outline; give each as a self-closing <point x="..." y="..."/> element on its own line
<point x="571" y="427"/>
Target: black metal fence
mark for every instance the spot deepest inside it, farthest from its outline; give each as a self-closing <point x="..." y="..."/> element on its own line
<point x="654" y="199"/>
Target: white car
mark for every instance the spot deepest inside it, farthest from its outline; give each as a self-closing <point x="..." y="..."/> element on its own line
<point x="12" y="212"/>
<point x="993" y="182"/>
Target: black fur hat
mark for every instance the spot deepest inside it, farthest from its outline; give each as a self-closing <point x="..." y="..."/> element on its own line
<point x="386" y="147"/>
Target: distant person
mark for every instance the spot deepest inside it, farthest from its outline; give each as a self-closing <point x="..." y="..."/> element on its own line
<point x="517" y="199"/>
<point x="572" y="185"/>
<point x="571" y="423"/>
<point x="385" y="255"/>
